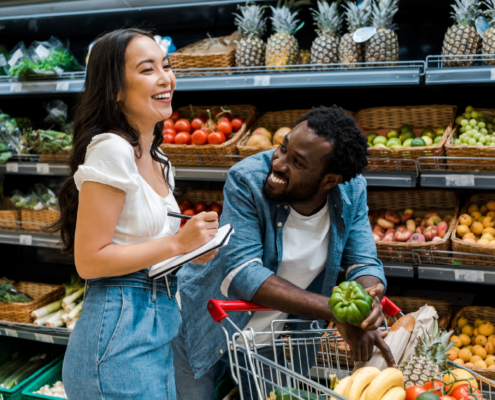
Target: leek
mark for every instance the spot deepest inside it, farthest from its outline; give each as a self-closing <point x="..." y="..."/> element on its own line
<point x="50" y="308"/>
<point x="42" y="320"/>
<point x="70" y="307"/>
<point x="72" y="298"/>
<point x="75" y="312"/>
<point x="72" y="325"/>
<point x="21" y="373"/>
<point x="55" y="317"/>
<point x="58" y="322"/>
<point x="64" y="317"/>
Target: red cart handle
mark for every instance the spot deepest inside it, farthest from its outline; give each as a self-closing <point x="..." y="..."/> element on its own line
<point x="218" y="308"/>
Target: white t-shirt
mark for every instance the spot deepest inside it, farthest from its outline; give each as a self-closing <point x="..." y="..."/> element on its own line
<point x="305" y="256"/>
<point x="110" y="161"/>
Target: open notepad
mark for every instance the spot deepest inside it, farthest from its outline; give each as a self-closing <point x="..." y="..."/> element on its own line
<point x="166" y="267"/>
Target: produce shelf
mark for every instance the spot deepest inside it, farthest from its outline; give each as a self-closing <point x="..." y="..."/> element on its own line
<point x="300" y="76"/>
<point x="37" y="333"/>
<point x="437" y="74"/>
<point x="88" y="7"/>
<point x="392" y="173"/>
<point x="434" y="172"/>
<point x="34" y="168"/>
<point x="69" y="82"/>
<point x="30" y="239"/>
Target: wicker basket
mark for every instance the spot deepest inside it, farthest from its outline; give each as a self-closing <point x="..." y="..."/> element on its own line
<point x="180" y="59"/>
<point x="178" y="153"/>
<point x="471" y="314"/>
<point x="475" y="152"/>
<point x="10" y="216"/>
<point x="207" y="196"/>
<point x="445" y="202"/>
<point x="459" y="245"/>
<point x="37" y="221"/>
<point x="42" y="295"/>
<point x="54" y="157"/>
<point x="271" y="121"/>
<point x="381" y="119"/>
<point x="412" y="304"/>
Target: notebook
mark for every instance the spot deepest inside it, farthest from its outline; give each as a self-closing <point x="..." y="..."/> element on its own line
<point x="166" y="267"/>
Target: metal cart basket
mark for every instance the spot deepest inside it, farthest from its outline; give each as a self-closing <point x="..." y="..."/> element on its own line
<point x="302" y="363"/>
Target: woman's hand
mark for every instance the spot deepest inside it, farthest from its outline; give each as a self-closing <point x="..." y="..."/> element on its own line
<point x="205" y="257"/>
<point x="198" y="231"/>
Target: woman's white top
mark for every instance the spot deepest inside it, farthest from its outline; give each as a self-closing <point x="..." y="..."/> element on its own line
<point x="110" y="161"/>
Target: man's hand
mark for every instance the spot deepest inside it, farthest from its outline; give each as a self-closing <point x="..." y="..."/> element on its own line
<point x="375" y="319"/>
<point x="362" y="343"/>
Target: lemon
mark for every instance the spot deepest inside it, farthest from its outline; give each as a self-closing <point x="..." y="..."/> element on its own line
<point x="428" y="140"/>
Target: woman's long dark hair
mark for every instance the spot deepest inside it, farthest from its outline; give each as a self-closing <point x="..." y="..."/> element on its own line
<point x="98" y="111"/>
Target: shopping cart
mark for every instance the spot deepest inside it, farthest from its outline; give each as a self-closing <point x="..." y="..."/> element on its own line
<point x="304" y="361"/>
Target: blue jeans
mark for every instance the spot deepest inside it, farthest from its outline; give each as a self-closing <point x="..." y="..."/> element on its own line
<point x="203" y="388"/>
<point x="121" y="345"/>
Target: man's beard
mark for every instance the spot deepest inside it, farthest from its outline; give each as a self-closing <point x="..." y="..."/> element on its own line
<point x="302" y="194"/>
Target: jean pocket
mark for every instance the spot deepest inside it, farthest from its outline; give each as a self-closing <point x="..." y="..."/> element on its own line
<point x="112" y="315"/>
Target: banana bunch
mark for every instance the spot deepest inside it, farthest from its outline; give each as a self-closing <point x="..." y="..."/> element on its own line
<point x="369" y="383"/>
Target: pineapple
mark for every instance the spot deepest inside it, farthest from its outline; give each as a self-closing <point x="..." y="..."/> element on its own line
<point x="357" y="17"/>
<point x="462" y="38"/>
<point x="325" y="48"/>
<point x="282" y="47"/>
<point x="489" y="34"/>
<point x="384" y="45"/>
<point x="429" y="359"/>
<point x="250" y="50"/>
<point x="304" y="57"/>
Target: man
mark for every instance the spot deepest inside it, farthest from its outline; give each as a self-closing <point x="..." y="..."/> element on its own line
<point x="299" y="213"/>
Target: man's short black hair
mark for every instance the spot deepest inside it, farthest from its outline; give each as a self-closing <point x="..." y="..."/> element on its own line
<point x="350" y="146"/>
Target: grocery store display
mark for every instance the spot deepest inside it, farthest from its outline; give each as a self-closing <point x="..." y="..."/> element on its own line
<point x="251" y="23"/>
<point x="55" y="390"/>
<point x="384" y="44"/>
<point x="350" y="303"/>
<point x="474" y="129"/>
<point x="9" y="294"/>
<point x="188" y="207"/>
<point x="462" y="37"/>
<point x="282" y="47"/>
<point x="357" y="17"/>
<point x="478" y="226"/>
<point x="405" y="137"/>
<point x="325" y="48"/>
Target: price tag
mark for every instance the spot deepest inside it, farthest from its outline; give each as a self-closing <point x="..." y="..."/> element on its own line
<point x="42" y="168"/>
<point x="460" y="180"/>
<point x="11" y="332"/>
<point x="44" y="338"/>
<point x="62" y="86"/>
<point x="262" y="81"/>
<point x="468" y="275"/>
<point x="16" y="87"/>
<point x="12" y="167"/>
<point x="26" y="240"/>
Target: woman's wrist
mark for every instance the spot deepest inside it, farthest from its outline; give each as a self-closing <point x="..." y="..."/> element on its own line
<point x="174" y="244"/>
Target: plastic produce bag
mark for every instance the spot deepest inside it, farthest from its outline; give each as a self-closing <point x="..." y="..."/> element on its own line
<point x="165" y="43"/>
<point x="40" y="198"/>
<point x="53" y="57"/>
<point x="8" y="294"/>
<point x="20" y="62"/>
<point x="12" y="135"/>
<point x="4" y="57"/>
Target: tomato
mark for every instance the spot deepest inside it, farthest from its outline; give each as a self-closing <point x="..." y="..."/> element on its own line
<point x="446" y="398"/>
<point x="216" y="138"/>
<point x="414" y="391"/>
<point x="199" y="137"/>
<point x="169" y="139"/>
<point x="216" y="207"/>
<point x="168" y="124"/>
<point x="463" y="392"/>
<point x="209" y="126"/>
<point x="183" y="138"/>
<point x="225" y="127"/>
<point x="200" y="207"/>
<point x="433" y="385"/>
<point x="182" y="125"/>
<point x="190" y="213"/>
<point x="237" y="124"/>
<point x="169" y="131"/>
<point x="198" y="122"/>
<point x="223" y="114"/>
<point x="185" y="205"/>
<point x="175" y="116"/>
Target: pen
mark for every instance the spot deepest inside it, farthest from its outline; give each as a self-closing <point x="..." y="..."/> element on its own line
<point x="177" y="215"/>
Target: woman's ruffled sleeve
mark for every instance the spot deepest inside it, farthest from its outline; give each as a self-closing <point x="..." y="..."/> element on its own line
<point x="110" y="161"/>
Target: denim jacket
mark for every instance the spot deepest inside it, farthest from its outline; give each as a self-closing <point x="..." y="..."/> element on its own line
<point x="257" y="246"/>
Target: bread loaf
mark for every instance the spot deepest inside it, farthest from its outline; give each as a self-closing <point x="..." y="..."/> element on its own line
<point x="407" y="322"/>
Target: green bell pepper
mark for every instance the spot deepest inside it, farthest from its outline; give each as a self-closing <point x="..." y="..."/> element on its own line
<point x="350" y="303"/>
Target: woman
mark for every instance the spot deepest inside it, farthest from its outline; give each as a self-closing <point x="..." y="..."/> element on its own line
<point x="114" y="220"/>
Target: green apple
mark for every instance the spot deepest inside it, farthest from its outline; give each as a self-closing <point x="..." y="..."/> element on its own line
<point x="418" y="142"/>
<point x="438" y="139"/>
<point x="379" y="140"/>
<point x="392" y="133"/>
<point x="428" y="140"/>
<point x="380" y="145"/>
<point x="407" y="142"/>
<point x="393" y="141"/>
<point x="406" y="135"/>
